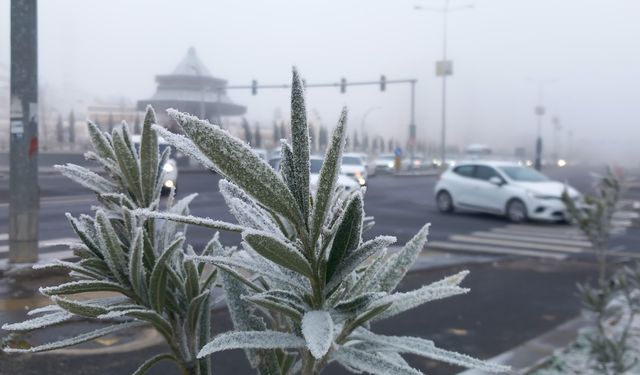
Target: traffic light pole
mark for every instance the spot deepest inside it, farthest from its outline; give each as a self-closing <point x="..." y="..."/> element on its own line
<point x="342" y="85"/>
<point x="24" y="196"/>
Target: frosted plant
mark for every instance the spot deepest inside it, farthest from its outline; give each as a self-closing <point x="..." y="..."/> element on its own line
<point x="143" y="263"/>
<point x="304" y="287"/>
<point x="595" y="216"/>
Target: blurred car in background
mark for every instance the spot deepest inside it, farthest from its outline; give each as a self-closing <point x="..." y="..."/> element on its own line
<point x="353" y="166"/>
<point x="315" y="164"/>
<point x="504" y="188"/>
<point x="385" y="163"/>
<point x="368" y="163"/>
<point x="169" y="169"/>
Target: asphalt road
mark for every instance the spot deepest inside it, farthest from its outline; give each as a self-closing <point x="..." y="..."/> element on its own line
<point x="514" y="297"/>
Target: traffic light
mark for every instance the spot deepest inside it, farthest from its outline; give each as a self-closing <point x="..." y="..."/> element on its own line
<point x="383" y="83"/>
<point x="343" y="85"/>
<point x="254" y="87"/>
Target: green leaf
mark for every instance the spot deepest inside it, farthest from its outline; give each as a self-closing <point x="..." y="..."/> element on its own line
<point x="128" y="163"/>
<point x="371" y="362"/>
<point x="75" y="340"/>
<point x="278" y="252"/>
<point x="426" y="348"/>
<point x="300" y="140"/>
<point x="87" y="178"/>
<point x="277" y="305"/>
<point x="328" y="178"/>
<point x="366" y="316"/>
<point x="194" y="220"/>
<point x="137" y="275"/>
<point x="356" y="304"/>
<point x="47" y="320"/>
<point x="158" y="279"/>
<point x="81" y="308"/>
<point x="252" y="340"/>
<point x="237" y="162"/>
<point x="85" y="236"/>
<point x="100" y="142"/>
<point x="399" y="264"/>
<point x="113" y="252"/>
<point x="149" y="316"/>
<point x="348" y="235"/>
<point x="356" y="257"/>
<point x="142" y="370"/>
<point x="148" y="157"/>
<point x="83" y="286"/>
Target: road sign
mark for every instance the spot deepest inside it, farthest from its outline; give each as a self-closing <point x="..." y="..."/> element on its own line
<point x="444" y="68"/>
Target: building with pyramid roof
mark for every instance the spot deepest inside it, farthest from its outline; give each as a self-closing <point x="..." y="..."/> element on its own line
<point x="191" y="88"/>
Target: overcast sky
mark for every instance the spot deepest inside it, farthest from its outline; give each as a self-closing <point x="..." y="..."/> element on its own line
<point x="589" y="51"/>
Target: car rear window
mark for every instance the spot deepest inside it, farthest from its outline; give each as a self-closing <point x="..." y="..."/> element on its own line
<point x="464" y="170"/>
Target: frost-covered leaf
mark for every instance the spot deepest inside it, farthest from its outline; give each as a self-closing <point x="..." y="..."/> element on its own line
<point x="80" y="308"/>
<point x="184" y="145"/>
<point x="317" y="329"/>
<point x="252" y="340"/>
<point x="348" y="235"/>
<point x="444" y="288"/>
<point x="264" y="360"/>
<point x="47" y="320"/>
<point x="245" y="209"/>
<point x="127" y="161"/>
<point x="194" y="220"/>
<point x="149" y="316"/>
<point x="300" y="141"/>
<point x="83" y="286"/>
<point x="356" y="257"/>
<point x="236" y="161"/>
<point x="399" y="264"/>
<point x="148" y="157"/>
<point x="75" y="267"/>
<point x="426" y="348"/>
<point x="75" y="340"/>
<point x="278" y="252"/>
<point x="371" y="362"/>
<point x="109" y="241"/>
<point x="358" y="303"/>
<point x="369" y="275"/>
<point x="137" y="276"/>
<point x="84" y="233"/>
<point x="328" y="177"/>
<point x="158" y="278"/>
<point x="101" y="144"/>
<point x="87" y="178"/>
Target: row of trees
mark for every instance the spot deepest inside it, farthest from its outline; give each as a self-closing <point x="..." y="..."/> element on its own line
<point x="319" y="138"/>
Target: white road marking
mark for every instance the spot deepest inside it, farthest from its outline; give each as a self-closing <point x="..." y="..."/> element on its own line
<point x="577" y="237"/>
<point x="492" y="250"/>
<point x="532" y="238"/>
<point x="517" y="244"/>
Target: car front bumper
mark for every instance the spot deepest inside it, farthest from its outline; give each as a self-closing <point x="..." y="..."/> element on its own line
<point x="550" y="209"/>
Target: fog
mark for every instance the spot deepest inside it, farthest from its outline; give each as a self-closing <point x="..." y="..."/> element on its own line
<point x="587" y="54"/>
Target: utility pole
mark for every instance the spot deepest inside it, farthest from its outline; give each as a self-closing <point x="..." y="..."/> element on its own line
<point x="24" y="200"/>
<point x="539" y="111"/>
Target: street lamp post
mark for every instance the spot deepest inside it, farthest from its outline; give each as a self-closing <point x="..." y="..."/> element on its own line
<point x="444" y="67"/>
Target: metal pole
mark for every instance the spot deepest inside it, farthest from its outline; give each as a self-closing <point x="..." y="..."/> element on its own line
<point x="443" y="139"/>
<point x="412" y="125"/>
<point x="24" y="197"/>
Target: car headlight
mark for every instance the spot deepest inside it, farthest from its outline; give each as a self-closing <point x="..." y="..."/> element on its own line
<point x="168" y="167"/>
<point x="390" y="164"/>
<point x="169" y="184"/>
<point x="541" y="196"/>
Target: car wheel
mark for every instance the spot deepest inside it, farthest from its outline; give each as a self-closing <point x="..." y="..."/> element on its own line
<point x="516" y="211"/>
<point x="444" y="202"/>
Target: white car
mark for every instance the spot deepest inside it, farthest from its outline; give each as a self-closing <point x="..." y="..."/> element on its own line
<point x="315" y="164"/>
<point x="385" y="163"/>
<point x="170" y="168"/>
<point x="503" y="188"/>
<point x="353" y="166"/>
<point x="369" y="164"/>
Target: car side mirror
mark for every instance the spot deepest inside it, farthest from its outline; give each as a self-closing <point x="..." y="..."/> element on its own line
<point x="496" y="181"/>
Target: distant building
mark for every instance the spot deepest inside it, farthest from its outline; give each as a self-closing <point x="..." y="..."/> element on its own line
<point x="192" y="89"/>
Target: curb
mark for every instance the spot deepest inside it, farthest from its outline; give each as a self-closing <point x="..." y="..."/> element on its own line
<point x="534" y="353"/>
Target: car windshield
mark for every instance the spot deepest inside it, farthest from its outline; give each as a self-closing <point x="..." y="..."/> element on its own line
<point x="351" y="160"/>
<point x="316" y="164"/>
<point x="386" y="157"/>
<point x="524" y="174"/>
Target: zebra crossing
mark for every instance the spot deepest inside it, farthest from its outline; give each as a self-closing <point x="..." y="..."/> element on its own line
<point x="53" y="248"/>
<point x="528" y="240"/>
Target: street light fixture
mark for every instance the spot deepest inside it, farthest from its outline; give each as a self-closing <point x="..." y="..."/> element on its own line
<point x="444" y="67"/>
